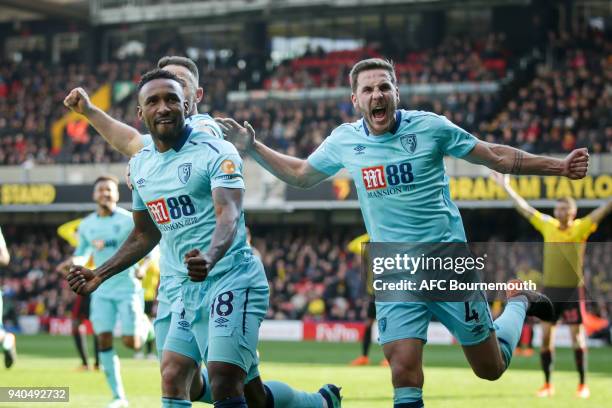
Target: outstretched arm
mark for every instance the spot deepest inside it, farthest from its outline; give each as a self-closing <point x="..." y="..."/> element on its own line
<point x="598" y="214"/>
<point x="509" y="160"/>
<point x="125" y="139"/>
<point x="520" y="203"/>
<point x="139" y="243"/>
<point x="293" y="171"/>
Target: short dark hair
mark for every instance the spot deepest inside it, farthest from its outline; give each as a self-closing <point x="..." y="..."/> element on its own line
<point x="107" y="177"/>
<point x="158" y="74"/>
<point x="182" y="61"/>
<point x="368" y="64"/>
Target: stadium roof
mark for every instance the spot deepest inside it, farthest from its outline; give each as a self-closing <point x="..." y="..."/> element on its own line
<point x="23" y="10"/>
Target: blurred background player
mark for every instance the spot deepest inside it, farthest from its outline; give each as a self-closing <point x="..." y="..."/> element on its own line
<point x="100" y="234"/>
<point x="81" y="306"/>
<point x="563" y="277"/>
<point x="7" y="340"/>
<point x="355" y="246"/>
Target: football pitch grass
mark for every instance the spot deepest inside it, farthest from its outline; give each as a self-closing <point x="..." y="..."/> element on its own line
<point x="51" y="361"/>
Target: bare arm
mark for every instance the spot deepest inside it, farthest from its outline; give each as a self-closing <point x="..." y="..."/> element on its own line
<point x="139" y="243"/>
<point x="519" y="202"/>
<point x="293" y="171"/>
<point x="228" y="208"/>
<point x="123" y="138"/>
<point x="598" y="214"/>
<point x="509" y="160"/>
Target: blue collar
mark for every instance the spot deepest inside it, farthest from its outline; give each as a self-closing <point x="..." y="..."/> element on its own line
<point x="398" y="120"/>
<point x="183" y="138"/>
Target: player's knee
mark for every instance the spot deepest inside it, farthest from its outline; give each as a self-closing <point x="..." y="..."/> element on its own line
<point x="105" y="341"/>
<point x="223" y="386"/>
<point x="173" y="379"/>
<point x="490" y="372"/>
<point x="226" y="381"/>
<point x="406" y="374"/>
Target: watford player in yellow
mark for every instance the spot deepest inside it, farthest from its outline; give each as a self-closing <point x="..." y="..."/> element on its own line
<point x="562" y="275"/>
<point x="355" y="247"/>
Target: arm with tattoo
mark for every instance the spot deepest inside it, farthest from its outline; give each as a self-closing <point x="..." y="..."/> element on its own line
<point x="509" y="160"/>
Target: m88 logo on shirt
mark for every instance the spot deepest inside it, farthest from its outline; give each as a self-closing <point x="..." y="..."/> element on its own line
<point x="165" y="210"/>
<point x="378" y="177"/>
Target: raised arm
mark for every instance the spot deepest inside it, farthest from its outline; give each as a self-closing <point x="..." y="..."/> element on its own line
<point x="509" y="160"/>
<point x="520" y="203"/>
<point x="139" y="243"/>
<point x="123" y="138"/>
<point x="293" y="171"/>
<point x="598" y="214"/>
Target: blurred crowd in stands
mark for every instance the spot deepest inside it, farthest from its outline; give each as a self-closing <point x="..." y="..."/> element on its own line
<point x="567" y="104"/>
<point x="456" y="59"/>
<point x="312" y="275"/>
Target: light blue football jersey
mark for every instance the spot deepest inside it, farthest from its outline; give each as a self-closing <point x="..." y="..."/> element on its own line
<point x="400" y="177"/>
<point x="176" y="186"/>
<point x="102" y="237"/>
<point x="201" y="122"/>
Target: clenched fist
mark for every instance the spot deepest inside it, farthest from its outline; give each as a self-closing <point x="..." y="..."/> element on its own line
<point x="78" y="101"/>
<point x="82" y="280"/>
<point x="198" y="265"/>
<point x="576" y="164"/>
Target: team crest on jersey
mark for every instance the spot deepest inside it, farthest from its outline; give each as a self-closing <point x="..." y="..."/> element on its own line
<point x="382" y="324"/>
<point x="409" y="142"/>
<point x="184" y="172"/>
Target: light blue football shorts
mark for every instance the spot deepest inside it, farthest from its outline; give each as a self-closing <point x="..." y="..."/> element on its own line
<point x="222" y="315"/>
<point x="105" y="310"/>
<point x="169" y="293"/>
<point x="470" y="322"/>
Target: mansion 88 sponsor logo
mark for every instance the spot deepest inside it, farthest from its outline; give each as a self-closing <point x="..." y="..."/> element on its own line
<point x="387" y="180"/>
<point x="165" y="211"/>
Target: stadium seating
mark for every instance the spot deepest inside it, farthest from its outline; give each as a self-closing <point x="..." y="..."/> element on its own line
<point x="564" y="106"/>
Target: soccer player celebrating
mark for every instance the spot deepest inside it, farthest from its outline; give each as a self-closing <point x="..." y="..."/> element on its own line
<point x="563" y="275"/>
<point x="188" y="191"/>
<point x="396" y="160"/>
<point x="129" y="141"/>
<point x="100" y="234"/>
<point x="7" y="340"/>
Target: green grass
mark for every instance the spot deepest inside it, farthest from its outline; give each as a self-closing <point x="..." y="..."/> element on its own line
<point x="50" y="361"/>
